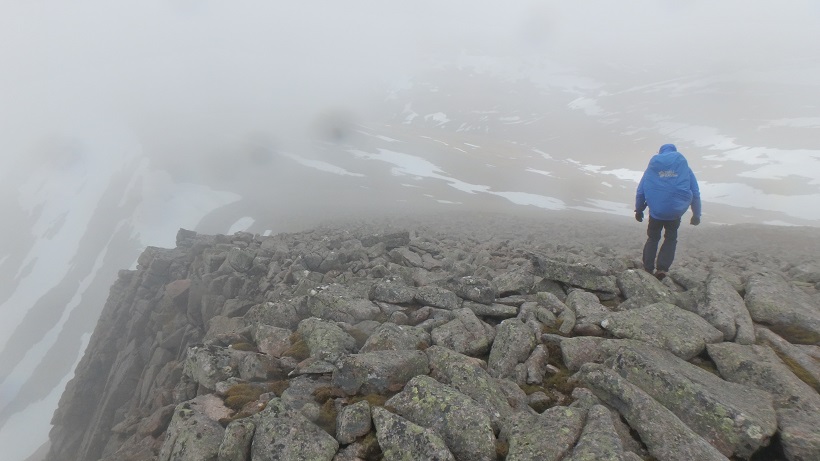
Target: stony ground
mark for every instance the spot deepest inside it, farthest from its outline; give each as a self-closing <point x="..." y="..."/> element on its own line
<point x="459" y="336"/>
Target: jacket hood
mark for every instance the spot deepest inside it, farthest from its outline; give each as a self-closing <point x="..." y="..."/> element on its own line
<point x="668" y="158"/>
<point x="667" y="148"/>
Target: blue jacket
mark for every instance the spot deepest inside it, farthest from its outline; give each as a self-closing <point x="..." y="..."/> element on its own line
<point x="668" y="186"/>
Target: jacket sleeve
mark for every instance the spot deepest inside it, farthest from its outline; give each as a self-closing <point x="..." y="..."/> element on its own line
<point x="693" y="185"/>
<point x="640" y="198"/>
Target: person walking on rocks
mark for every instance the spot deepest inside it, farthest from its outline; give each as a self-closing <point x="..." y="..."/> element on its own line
<point x="668" y="187"/>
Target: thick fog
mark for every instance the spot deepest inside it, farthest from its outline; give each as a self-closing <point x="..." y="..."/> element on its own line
<point x="121" y="122"/>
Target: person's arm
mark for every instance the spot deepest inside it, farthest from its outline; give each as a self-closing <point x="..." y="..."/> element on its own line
<point x="693" y="184"/>
<point x="640" y="198"/>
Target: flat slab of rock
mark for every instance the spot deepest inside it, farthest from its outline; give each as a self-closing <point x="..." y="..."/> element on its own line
<point x="785" y="309"/>
<point x="664" y="325"/>
<point x="665" y="435"/>
<point x="724" y="308"/>
<point x="736" y="419"/>
<point x="584" y="276"/>
<point x="796" y="403"/>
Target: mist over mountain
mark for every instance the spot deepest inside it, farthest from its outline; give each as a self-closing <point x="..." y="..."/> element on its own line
<point x="122" y="123"/>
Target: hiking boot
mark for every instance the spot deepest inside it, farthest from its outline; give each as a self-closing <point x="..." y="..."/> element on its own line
<point x="660" y="275"/>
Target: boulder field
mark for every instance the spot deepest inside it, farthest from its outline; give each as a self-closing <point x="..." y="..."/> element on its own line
<point x="479" y="337"/>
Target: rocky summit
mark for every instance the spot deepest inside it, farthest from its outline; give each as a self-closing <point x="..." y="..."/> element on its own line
<point x="457" y="337"/>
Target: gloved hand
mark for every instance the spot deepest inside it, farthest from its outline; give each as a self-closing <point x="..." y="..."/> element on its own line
<point x="639" y="216"/>
<point x="694" y="221"/>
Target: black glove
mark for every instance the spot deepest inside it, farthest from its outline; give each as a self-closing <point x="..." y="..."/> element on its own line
<point x="694" y="221"/>
<point x="639" y="216"/>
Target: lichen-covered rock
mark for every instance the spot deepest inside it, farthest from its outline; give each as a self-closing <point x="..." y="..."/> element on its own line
<point x="339" y="303"/>
<point x="735" y="419"/>
<point x="271" y="340"/>
<point x="402" y="440"/>
<point x="514" y="342"/>
<point x="545" y="437"/>
<point x="579" y="275"/>
<point x="475" y="289"/>
<point x="805" y="366"/>
<point x="459" y="420"/>
<point x="392" y="291"/>
<point x="278" y="314"/>
<point x="491" y="311"/>
<point x="353" y="422"/>
<point x="796" y="403"/>
<point x="389" y="336"/>
<point x="783" y="308"/>
<point x="465" y="334"/>
<point x="664" y="325"/>
<point x="431" y="295"/>
<point x="517" y="281"/>
<point x="640" y="288"/>
<point x="286" y="435"/>
<point x="208" y="365"/>
<point x="599" y="441"/>
<point x="466" y="375"/>
<point x="194" y="433"/>
<point x="326" y="340"/>
<point x="379" y="372"/>
<point x="665" y="435"/>
<point x="537" y="364"/>
<point x="236" y="442"/>
<point x="725" y="309"/>
<point x="589" y="312"/>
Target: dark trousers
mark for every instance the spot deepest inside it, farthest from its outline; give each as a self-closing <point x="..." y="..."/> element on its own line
<point x="670" y="242"/>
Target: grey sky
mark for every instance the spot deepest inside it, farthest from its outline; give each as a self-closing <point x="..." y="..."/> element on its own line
<point x="240" y="63"/>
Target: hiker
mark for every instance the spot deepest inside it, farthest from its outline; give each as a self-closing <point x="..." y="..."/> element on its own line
<point x="669" y="188"/>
